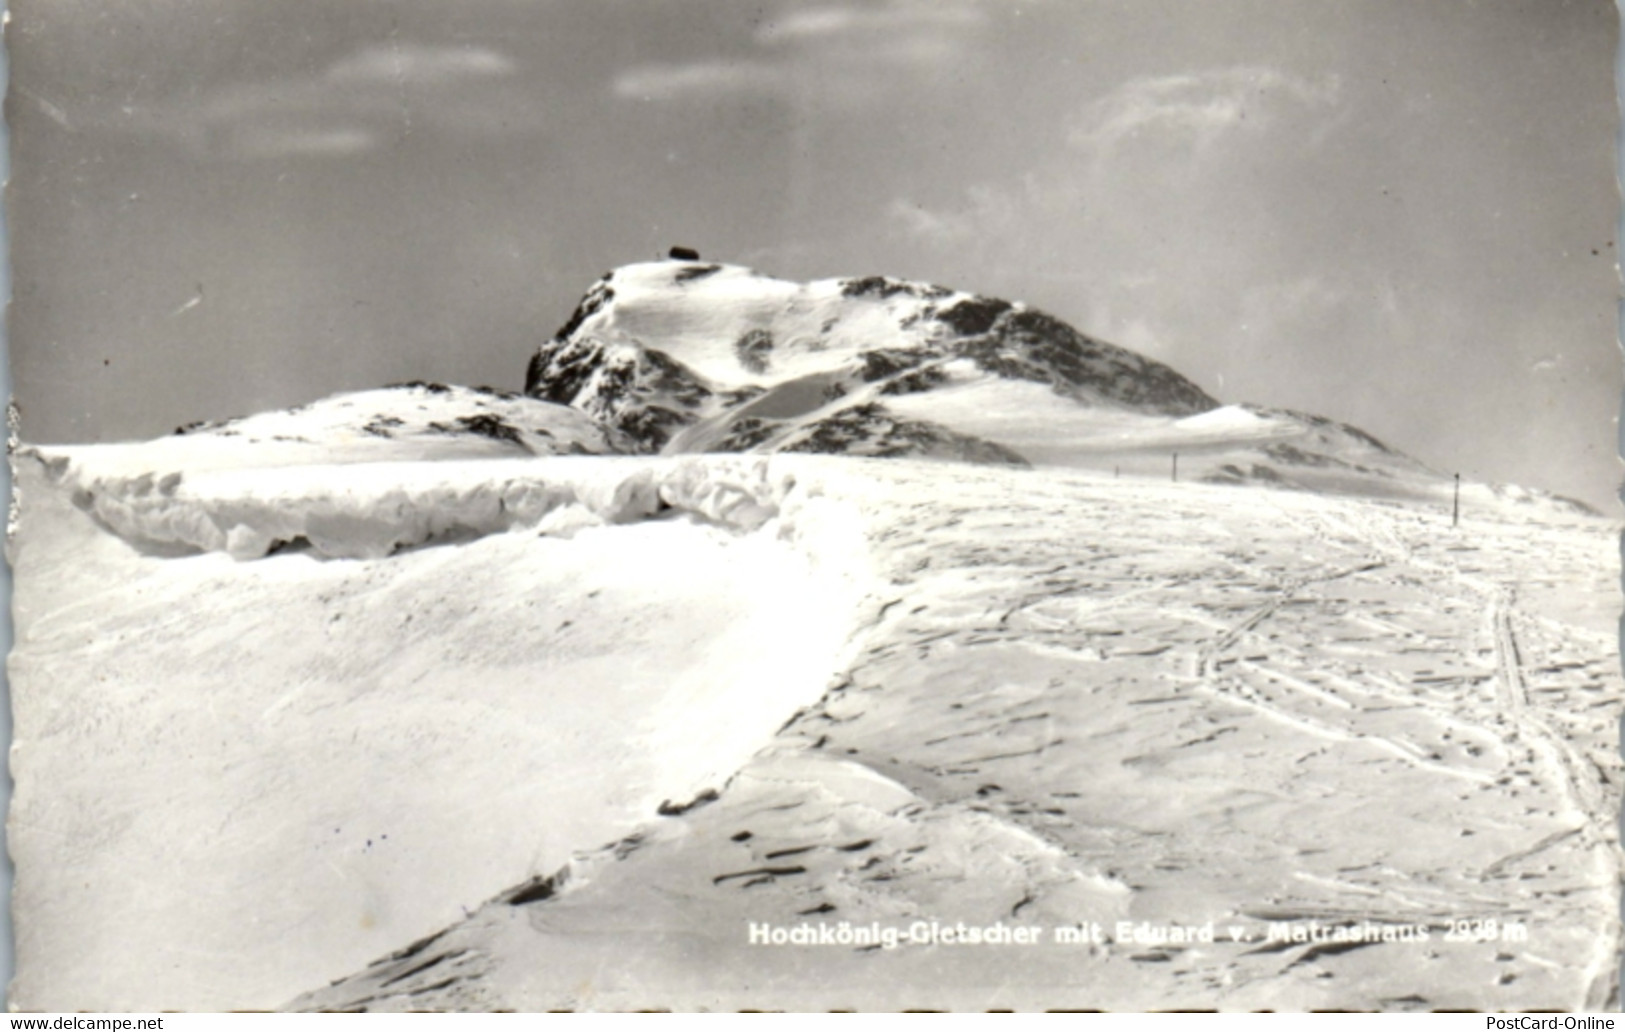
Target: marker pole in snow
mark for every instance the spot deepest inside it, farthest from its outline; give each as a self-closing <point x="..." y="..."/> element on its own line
<point x="1455" y="504"/>
<point x="1176" y="468"/>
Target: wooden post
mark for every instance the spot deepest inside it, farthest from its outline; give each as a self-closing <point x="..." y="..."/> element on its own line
<point x="1176" y="468"/>
<point x="1455" y="504"/>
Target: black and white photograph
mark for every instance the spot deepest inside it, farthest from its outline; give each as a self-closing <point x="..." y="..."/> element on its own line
<point x="814" y="505"/>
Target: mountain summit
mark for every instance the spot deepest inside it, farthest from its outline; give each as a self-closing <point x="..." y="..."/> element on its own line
<point x="682" y="356"/>
<point x="686" y="357"/>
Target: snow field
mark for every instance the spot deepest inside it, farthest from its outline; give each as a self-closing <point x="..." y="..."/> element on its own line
<point x="1086" y="700"/>
<point x="239" y="779"/>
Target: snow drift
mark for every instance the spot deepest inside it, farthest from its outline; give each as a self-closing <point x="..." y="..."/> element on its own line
<point x="371" y="510"/>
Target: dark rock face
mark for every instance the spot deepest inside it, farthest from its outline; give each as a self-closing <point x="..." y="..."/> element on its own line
<point x="1026" y="344"/>
<point x="695" y="272"/>
<point x="882" y="363"/>
<point x="561" y="368"/>
<point x="597" y="296"/>
<point x="974" y="316"/>
<point x="420" y="385"/>
<point x="487" y="425"/>
<point x="1230" y="473"/>
<point x="639" y="391"/>
<point x="871" y="430"/>
<point x="753" y="350"/>
<point x="881" y="287"/>
<point x="747" y="432"/>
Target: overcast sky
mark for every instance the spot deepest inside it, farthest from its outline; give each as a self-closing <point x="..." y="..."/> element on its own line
<point x="1396" y="213"/>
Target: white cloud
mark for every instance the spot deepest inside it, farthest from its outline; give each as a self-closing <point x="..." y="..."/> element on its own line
<point x="358" y="103"/>
<point x="271" y="142"/>
<point x="1197" y="109"/>
<point x="698" y="79"/>
<point x="838" y="54"/>
<point x="809" y="22"/>
<point x="986" y="212"/>
<point x="416" y="63"/>
<point x="1105" y="187"/>
<point x="816" y="24"/>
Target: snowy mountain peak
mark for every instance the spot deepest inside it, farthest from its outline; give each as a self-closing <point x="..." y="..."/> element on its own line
<point x="691" y="356"/>
<point x="682" y="356"/>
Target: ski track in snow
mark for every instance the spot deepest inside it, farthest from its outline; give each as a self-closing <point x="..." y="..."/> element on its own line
<point x="1080" y="699"/>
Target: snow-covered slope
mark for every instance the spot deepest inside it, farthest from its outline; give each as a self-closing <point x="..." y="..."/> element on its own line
<point x="693" y="694"/>
<point x="236" y="780"/>
<point x="1381" y="751"/>
<point x="413" y="420"/>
